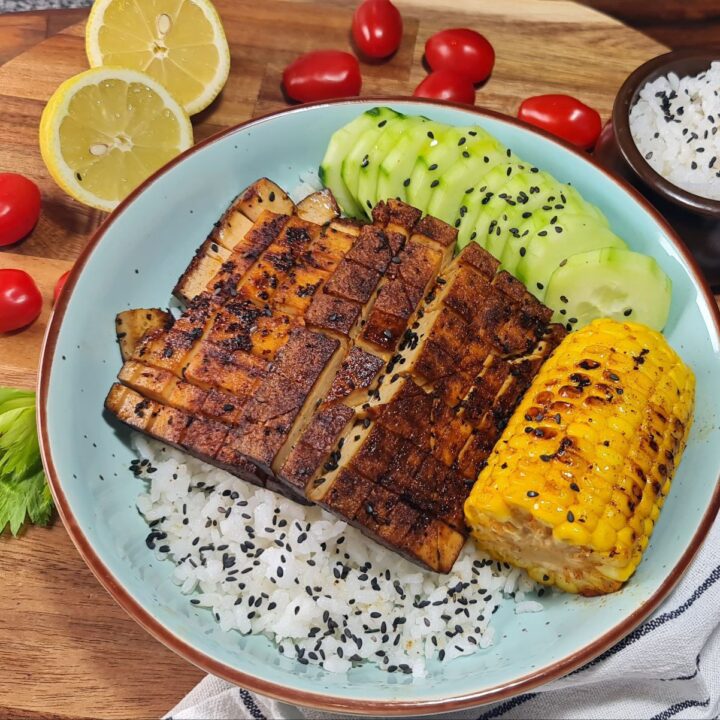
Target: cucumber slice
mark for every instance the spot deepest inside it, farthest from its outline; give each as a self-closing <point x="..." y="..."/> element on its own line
<point x="611" y="282"/>
<point x="369" y="171"/>
<point x="356" y="157"/>
<point x="430" y="167"/>
<point x="340" y="144"/>
<point x="540" y="254"/>
<point x="477" y="157"/>
<point x="534" y="205"/>
<point x="397" y="166"/>
<point x="504" y="182"/>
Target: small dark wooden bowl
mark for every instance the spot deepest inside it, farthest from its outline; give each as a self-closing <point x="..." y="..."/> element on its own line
<point x="696" y="219"/>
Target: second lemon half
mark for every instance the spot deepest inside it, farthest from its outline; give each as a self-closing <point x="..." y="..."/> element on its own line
<point x="180" y="43"/>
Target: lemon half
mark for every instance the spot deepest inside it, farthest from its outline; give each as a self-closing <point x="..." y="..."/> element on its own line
<point x="180" y="43"/>
<point x="106" y="130"/>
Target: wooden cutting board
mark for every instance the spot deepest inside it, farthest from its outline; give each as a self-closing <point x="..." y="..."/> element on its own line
<point x="69" y="650"/>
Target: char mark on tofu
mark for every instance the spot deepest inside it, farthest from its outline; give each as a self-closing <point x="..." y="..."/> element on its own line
<point x="357" y="366"/>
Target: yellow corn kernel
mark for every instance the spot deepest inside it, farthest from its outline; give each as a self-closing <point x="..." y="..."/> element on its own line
<point x="571" y="532"/>
<point x="604" y="536"/>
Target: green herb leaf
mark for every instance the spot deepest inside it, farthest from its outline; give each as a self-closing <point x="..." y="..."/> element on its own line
<point x="24" y="494"/>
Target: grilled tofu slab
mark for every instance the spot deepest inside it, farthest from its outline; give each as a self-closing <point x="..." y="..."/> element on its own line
<point x="357" y="366"/>
<point x="131" y="326"/>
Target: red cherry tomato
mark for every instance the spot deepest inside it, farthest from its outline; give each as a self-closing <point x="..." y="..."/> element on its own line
<point x="59" y="285"/>
<point x="377" y="28"/>
<point x="564" y="116"/>
<point x="20" y="300"/>
<point x="19" y="207"/>
<point x="446" y="85"/>
<point x="322" y="75"/>
<point x="463" y="51"/>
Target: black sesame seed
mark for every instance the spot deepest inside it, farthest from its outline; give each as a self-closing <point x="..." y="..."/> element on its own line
<point x="434" y="183"/>
<point x="570" y="516"/>
<point x="532" y="493"/>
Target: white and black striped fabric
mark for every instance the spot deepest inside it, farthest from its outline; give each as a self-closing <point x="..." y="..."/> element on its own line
<point x="668" y="667"/>
<point x="8" y="6"/>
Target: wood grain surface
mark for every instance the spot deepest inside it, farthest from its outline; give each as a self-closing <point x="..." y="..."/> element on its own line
<point x="69" y="651"/>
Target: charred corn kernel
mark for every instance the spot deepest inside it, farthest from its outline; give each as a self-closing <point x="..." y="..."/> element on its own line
<point x="622" y="502"/>
<point x="577" y="510"/>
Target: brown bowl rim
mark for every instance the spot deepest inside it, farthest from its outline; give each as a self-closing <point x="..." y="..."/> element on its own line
<point x="324" y="701"/>
<point x="624" y="101"/>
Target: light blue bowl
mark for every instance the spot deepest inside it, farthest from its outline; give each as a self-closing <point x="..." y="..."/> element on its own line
<point x="135" y="259"/>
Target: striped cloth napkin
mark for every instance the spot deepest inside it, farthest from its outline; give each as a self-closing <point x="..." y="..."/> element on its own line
<point x="668" y="667"/>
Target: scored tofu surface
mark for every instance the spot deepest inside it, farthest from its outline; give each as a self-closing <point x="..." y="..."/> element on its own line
<point x="357" y="366"/>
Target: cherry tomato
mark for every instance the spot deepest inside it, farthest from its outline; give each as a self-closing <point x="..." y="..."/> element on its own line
<point x="564" y="116"/>
<point x="322" y="75"/>
<point x="19" y="207"/>
<point x="20" y="300"/>
<point x="462" y="51"/>
<point x="377" y="28"/>
<point x="446" y="85"/>
<point x="59" y="285"/>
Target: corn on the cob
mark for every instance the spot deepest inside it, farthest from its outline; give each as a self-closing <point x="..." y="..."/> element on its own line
<point x="575" y="485"/>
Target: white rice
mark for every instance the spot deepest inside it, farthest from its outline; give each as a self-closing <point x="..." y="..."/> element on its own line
<point x="317" y="587"/>
<point x="675" y="126"/>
